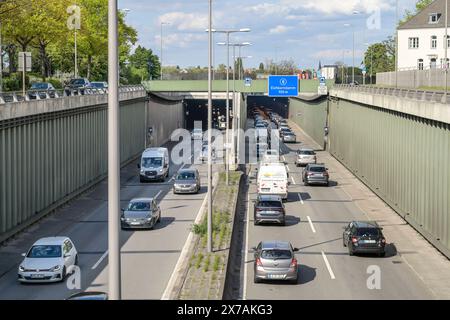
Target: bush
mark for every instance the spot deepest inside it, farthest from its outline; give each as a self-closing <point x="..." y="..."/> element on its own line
<point x="56" y="83"/>
<point x="14" y="82"/>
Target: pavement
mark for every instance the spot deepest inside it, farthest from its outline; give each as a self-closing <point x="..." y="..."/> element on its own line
<point x="148" y="257"/>
<point x="412" y="268"/>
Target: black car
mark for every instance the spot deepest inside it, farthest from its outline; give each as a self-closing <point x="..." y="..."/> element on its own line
<point x="78" y="86"/>
<point x="315" y="174"/>
<point x="269" y="209"/>
<point x="364" y="237"/>
<point x="41" y="89"/>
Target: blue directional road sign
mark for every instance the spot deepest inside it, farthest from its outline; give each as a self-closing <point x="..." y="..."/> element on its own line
<point x="283" y="86"/>
<point x="322" y="80"/>
<point x="248" y="82"/>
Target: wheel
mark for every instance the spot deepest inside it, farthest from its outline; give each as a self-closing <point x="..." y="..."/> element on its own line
<point x="382" y="254"/>
<point x="159" y="218"/>
<point x="350" y="251"/>
<point x="64" y="274"/>
<point x="343" y="243"/>
<point x="256" y="280"/>
<point x="306" y="183"/>
<point x="255" y="222"/>
<point x="283" y="223"/>
<point x="294" y="281"/>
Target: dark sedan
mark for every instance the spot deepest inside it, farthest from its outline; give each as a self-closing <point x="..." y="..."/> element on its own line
<point x="142" y="213"/>
<point x="41" y="90"/>
<point x="364" y="237"/>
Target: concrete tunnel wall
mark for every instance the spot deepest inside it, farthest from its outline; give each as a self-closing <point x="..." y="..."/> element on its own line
<point x="54" y="150"/>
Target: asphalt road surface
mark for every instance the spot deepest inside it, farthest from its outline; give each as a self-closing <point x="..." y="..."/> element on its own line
<point x="148" y="256"/>
<point x="316" y="216"/>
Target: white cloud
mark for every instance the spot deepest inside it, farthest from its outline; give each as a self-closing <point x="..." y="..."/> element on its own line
<point x="180" y="40"/>
<point x="279" y="29"/>
<point x="185" y="21"/>
<point x="336" y="54"/>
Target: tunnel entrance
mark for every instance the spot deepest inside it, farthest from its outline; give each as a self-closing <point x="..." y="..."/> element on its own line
<point x="197" y="110"/>
<point x="278" y="105"/>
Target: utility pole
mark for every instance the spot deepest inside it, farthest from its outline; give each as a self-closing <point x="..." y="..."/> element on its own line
<point x="114" y="283"/>
<point x="210" y="218"/>
<point x="353" y="63"/>
<point x="1" y="60"/>
<point x="446" y="50"/>
<point x="396" y="45"/>
<point x="227" y="149"/>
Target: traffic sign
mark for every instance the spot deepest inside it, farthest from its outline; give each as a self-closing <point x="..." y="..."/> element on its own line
<point x="322" y="81"/>
<point x="248" y="82"/>
<point x="322" y="90"/>
<point x="283" y="86"/>
<point x="28" y="65"/>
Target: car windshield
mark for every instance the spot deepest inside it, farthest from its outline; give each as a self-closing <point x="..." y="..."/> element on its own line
<point x="139" y="206"/>
<point x="186" y="176"/>
<point x="368" y="232"/>
<point x="270" y="204"/>
<point x="198" y="131"/>
<point x="276" y="254"/>
<point x="317" y="169"/>
<point x="98" y="84"/>
<point x="307" y="152"/>
<point x="77" y="81"/>
<point x="39" y="86"/>
<point x="151" y="162"/>
<point x="44" y="251"/>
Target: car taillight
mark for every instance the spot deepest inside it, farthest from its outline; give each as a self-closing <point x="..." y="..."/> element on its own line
<point x="293" y="263"/>
<point x="310" y="173"/>
<point x="258" y="262"/>
<point x="325" y="174"/>
<point x="354" y="239"/>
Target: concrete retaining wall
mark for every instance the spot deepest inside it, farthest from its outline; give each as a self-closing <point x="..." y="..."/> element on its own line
<point x="413" y="78"/>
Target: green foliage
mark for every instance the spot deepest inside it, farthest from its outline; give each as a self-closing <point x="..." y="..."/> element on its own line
<point x="216" y="263"/>
<point x="199" y="260"/>
<point x="207" y="263"/>
<point x="420" y="5"/>
<point x="378" y="58"/>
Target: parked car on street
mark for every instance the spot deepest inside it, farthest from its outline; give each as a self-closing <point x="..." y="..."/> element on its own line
<point x="48" y="260"/>
<point x="315" y="174"/>
<point x="275" y="260"/>
<point x="142" y="213"/>
<point x="305" y="156"/>
<point x="41" y="89"/>
<point x="269" y="209"/>
<point x="99" y="85"/>
<point x="364" y="237"/>
<point x="187" y="181"/>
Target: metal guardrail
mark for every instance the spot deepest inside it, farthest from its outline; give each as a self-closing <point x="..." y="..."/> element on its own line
<point x="17" y="96"/>
<point x="422" y="95"/>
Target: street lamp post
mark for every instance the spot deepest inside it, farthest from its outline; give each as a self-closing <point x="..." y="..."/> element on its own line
<point x="161" y="38"/>
<point x="446" y="50"/>
<point x="210" y="48"/>
<point x="113" y="155"/>
<point x="227" y="151"/>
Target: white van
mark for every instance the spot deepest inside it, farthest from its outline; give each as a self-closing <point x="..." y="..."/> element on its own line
<point x="154" y="164"/>
<point x="273" y="179"/>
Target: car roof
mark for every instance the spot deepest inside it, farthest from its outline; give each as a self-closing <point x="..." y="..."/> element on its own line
<point x="276" y="244"/>
<point x="366" y="224"/>
<point x="50" y="241"/>
<point x="155" y="151"/>
<point x="306" y="149"/>
<point x="314" y="165"/>
<point x="142" y="200"/>
<point x="188" y="170"/>
<point x="269" y="197"/>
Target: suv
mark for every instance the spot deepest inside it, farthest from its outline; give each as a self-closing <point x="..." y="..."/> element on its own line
<point x="269" y="208"/>
<point x="77" y="86"/>
<point x="364" y="237"/>
<point x="315" y="174"/>
<point x="305" y="156"/>
<point x="275" y="260"/>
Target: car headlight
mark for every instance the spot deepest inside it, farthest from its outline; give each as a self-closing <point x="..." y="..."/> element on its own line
<point x="21" y="269"/>
<point x="149" y="219"/>
<point x="160" y="170"/>
<point x="55" y="268"/>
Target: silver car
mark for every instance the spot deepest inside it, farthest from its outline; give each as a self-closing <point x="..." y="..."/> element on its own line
<point x="143" y="213"/>
<point x="187" y="181"/>
<point x="275" y="260"/>
<point x="305" y="156"/>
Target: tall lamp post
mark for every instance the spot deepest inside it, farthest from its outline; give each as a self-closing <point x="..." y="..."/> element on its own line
<point x="114" y="277"/>
<point x="210" y="48"/>
<point x="162" y="24"/>
<point x="227" y="152"/>
<point x="446" y="49"/>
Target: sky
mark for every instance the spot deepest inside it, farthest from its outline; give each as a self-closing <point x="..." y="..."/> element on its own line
<point x="306" y="31"/>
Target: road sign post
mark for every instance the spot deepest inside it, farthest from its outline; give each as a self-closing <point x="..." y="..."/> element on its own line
<point x="283" y="86"/>
<point x="24" y="66"/>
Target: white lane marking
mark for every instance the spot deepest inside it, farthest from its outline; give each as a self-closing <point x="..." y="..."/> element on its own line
<point x="284" y="159"/>
<point x="157" y="195"/>
<point x="330" y="271"/>
<point x="293" y="181"/>
<point x="287" y="168"/>
<point x="100" y="260"/>
<point x="300" y="197"/>
<point x="244" y="295"/>
<point x="182" y="259"/>
<point x="311" y="224"/>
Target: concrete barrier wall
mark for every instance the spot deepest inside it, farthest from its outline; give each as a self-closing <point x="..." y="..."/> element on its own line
<point x="402" y="157"/>
<point x="413" y="78"/>
<point x="49" y="157"/>
<point x="311" y="116"/>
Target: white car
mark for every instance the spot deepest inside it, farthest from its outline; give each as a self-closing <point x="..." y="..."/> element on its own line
<point x="48" y="260"/>
<point x="271" y="156"/>
<point x="305" y="156"/>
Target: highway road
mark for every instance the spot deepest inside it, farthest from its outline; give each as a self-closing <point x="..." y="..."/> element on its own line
<point x="148" y="256"/>
<point x="315" y="218"/>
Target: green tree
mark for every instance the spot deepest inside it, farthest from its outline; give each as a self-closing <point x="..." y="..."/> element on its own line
<point x="377" y="59"/>
<point x="420" y="5"/>
<point x="145" y="61"/>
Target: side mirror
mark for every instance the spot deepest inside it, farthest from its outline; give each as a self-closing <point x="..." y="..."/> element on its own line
<point x="296" y="249"/>
<point x="139" y="165"/>
<point x="253" y="249"/>
<point x="23" y="254"/>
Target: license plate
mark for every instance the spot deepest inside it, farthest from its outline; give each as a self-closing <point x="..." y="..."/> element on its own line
<point x="135" y="223"/>
<point x="37" y="276"/>
<point x="369" y="241"/>
<point x="275" y="276"/>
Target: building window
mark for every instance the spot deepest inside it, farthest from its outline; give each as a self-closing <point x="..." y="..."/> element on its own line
<point x="433" y="42"/>
<point x="433" y="63"/>
<point x="434" y="18"/>
<point x="413" y="43"/>
<point x="420" y="64"/>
